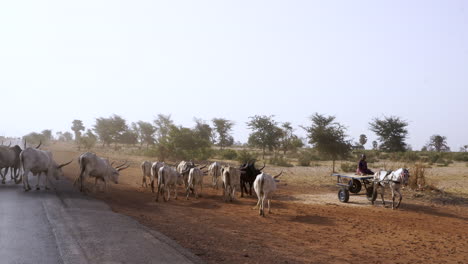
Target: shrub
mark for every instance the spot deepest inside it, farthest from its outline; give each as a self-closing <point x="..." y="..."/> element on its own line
<point x="228" y="154"/>
<point x="280" y="161"/>
<point x="461" y="156"/>
<point x="348" y="167"/>
<point x="244" y="156"/>
<point x="305" y="157"/>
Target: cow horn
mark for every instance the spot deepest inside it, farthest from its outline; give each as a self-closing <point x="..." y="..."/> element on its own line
<point x="112" y="163"/>
<point x="40" y="143"/>
<point x="203" y="167"/>
<point x="263" y="166"/>
<point x="274" y="177"/>
<point x="64" y="164"/>
<point x="121" y="165"/>
<point x="122" y="168"/>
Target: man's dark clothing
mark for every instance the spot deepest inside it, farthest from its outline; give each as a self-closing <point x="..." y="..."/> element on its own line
<point x="363" y="168"/>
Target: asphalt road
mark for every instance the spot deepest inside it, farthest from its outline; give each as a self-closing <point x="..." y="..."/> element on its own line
<point x="64" y="226"/>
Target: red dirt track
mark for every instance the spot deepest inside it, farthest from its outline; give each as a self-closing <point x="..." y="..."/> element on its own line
<point x="295" y="232"/>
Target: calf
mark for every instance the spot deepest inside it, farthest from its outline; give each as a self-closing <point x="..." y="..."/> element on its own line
<point x="264" y="186"/>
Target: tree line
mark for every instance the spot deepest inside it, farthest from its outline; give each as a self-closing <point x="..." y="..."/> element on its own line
<point x="163" y="138"/>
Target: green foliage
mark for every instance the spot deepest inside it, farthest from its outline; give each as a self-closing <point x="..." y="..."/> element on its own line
<point x="223" y="128"/>
<point x="110" y="130"/>
<point x="348" y="167"/>
<point x="88" y="140"/>
<point x="265" y="133"/>
<point x="186" y="143"/>
<point x="47" y="133"/>
<point x="461" y="156"/>
<point x="145" y="132"/>
<point x="362" y="139"/>
<point x="289" y="141"/>
<point x="245" y="156"/>
<point x="328" y="137"/>
<point x="306" y="157"/>
<point x="391" y="132"/>
<point x="279" y="160"/>
<point x="228" y="154"/>
<point x="163" y="125"/>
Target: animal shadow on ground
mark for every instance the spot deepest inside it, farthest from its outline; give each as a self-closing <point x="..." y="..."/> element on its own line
<point x="312" y="220"/>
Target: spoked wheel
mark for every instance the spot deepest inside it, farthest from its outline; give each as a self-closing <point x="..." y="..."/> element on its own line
<point x="370" y="194"/>
<point x="343" y="195"/>
<point x="355" y="186"/>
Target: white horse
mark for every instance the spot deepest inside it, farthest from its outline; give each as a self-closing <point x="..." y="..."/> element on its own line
<point x="394" y="179"/>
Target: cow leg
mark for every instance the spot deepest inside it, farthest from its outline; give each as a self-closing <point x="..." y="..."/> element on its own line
<point x="175" y="191"/>
<point x="233" y="194"/>
<point x="38" y="180"/>
<point x="262" y="204"/>
<point x="269" y="203"/>
<point x="382" y="194"/>
<point x="26" y="181"/>
<point x="143" y="181"/>
<point x="4" y="175"/>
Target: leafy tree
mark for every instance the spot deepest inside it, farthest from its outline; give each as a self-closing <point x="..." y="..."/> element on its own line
<point x="68" y="136"/>
<point x="146" y="132"/>
<point x="391" y="132"/>
<point x="186" y="143"/>
<point x="375" y="145"/>
<point x="129" y="137"/>
<point x="203" y="130"/>
<point x="89" y="139"/>
<point x="59" y="136"/>
<point x="34" y="138"/>
<point x="163" y="125"/>
<point x="223" y="128"/>
<point x="110" y="130"/>
<point x="265" y="133"/>
<point x="289" y="141"/>
<point x="77" y="127"/>
<point x="362" y="140"/>
<point x="438" y="143"/>
<point x="47" y="133"/>
<point x="424" y="148"/>
<point x="328" y="137"/>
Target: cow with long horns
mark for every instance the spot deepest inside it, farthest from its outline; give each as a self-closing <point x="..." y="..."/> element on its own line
<point x="99" y="168"/>
<point x="248" y="175"/>
<point x="38" y="162"/>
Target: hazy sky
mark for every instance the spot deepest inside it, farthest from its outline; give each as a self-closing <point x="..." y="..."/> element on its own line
<point x="64" y="60"/>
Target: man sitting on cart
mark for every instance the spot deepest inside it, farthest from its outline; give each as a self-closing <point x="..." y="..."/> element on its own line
<point x="362" y="167"/>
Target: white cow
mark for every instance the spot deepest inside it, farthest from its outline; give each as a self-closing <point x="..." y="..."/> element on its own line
<point x="154" y="172"/>
<point x="214" y="171"/>
<point x="146" y="171"/>
<point x="264" y="186"/>
<point x="231" y="180"/>
<point x="38" y="162"/>
<point x="168" y="178"/>
<point x="195" y="178"/>
<point x="93" y="166"/>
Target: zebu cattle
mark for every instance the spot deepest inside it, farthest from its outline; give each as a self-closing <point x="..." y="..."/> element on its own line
<point x="231" y="180"/>
<point x="184" y="168"/>
<point x="168" y="178"/>
<point x="154" y="172"/>
<point x="394" y="179"/>
<point x="38" y="162"/>
<point x="93" y="166"/>
<point x="195" y="178"/>
<point x="9" y="160"/>
<point x="214" y="171"/>
<point x="248" y="175"/>
<point x="264" y="186"/>
<point x="146" y="171"/>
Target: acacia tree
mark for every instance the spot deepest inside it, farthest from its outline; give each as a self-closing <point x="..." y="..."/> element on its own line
<point x="266" y="133"/>
<point x="145" y="131"/>
<point x="375" y="145"/>
<point x="110" y="130"/>
<point x="223" y="128"/>
<point x="328" y="137"/>
<point x="47" y="133"/>
<point x="163" y="125"/>
<point x="77" y="127"/>
<point x="391" y="132"/>
<point x="438" y="143"/>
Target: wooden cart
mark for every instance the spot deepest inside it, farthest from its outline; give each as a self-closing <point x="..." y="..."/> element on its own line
<point x="353" y="183"/>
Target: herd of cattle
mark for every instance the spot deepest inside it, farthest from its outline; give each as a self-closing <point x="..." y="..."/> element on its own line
<point x="165" y="177"/>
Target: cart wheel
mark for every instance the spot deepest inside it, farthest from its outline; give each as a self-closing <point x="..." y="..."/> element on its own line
<point x="343" y="195"/>
<point x="370" y="194"/>
<point x="355" y="186"/>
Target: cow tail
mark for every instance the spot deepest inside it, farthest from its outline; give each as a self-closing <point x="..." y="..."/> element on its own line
<point x="82" y="169"/>
<point x="21" y="170"/>
<point x="262" y="182"/>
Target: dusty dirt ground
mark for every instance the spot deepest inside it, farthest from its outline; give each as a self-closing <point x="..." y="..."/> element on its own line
<point x="307" y="224"/>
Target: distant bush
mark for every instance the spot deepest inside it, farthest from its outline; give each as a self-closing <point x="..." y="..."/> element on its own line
<point x="348" y="167"/>
<point x="306" y="157"/>
<point x="228" y="154"/>
<point x="244" y="156"/>
<point x="460" y="156"/>
<point x="280" y="161"/>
